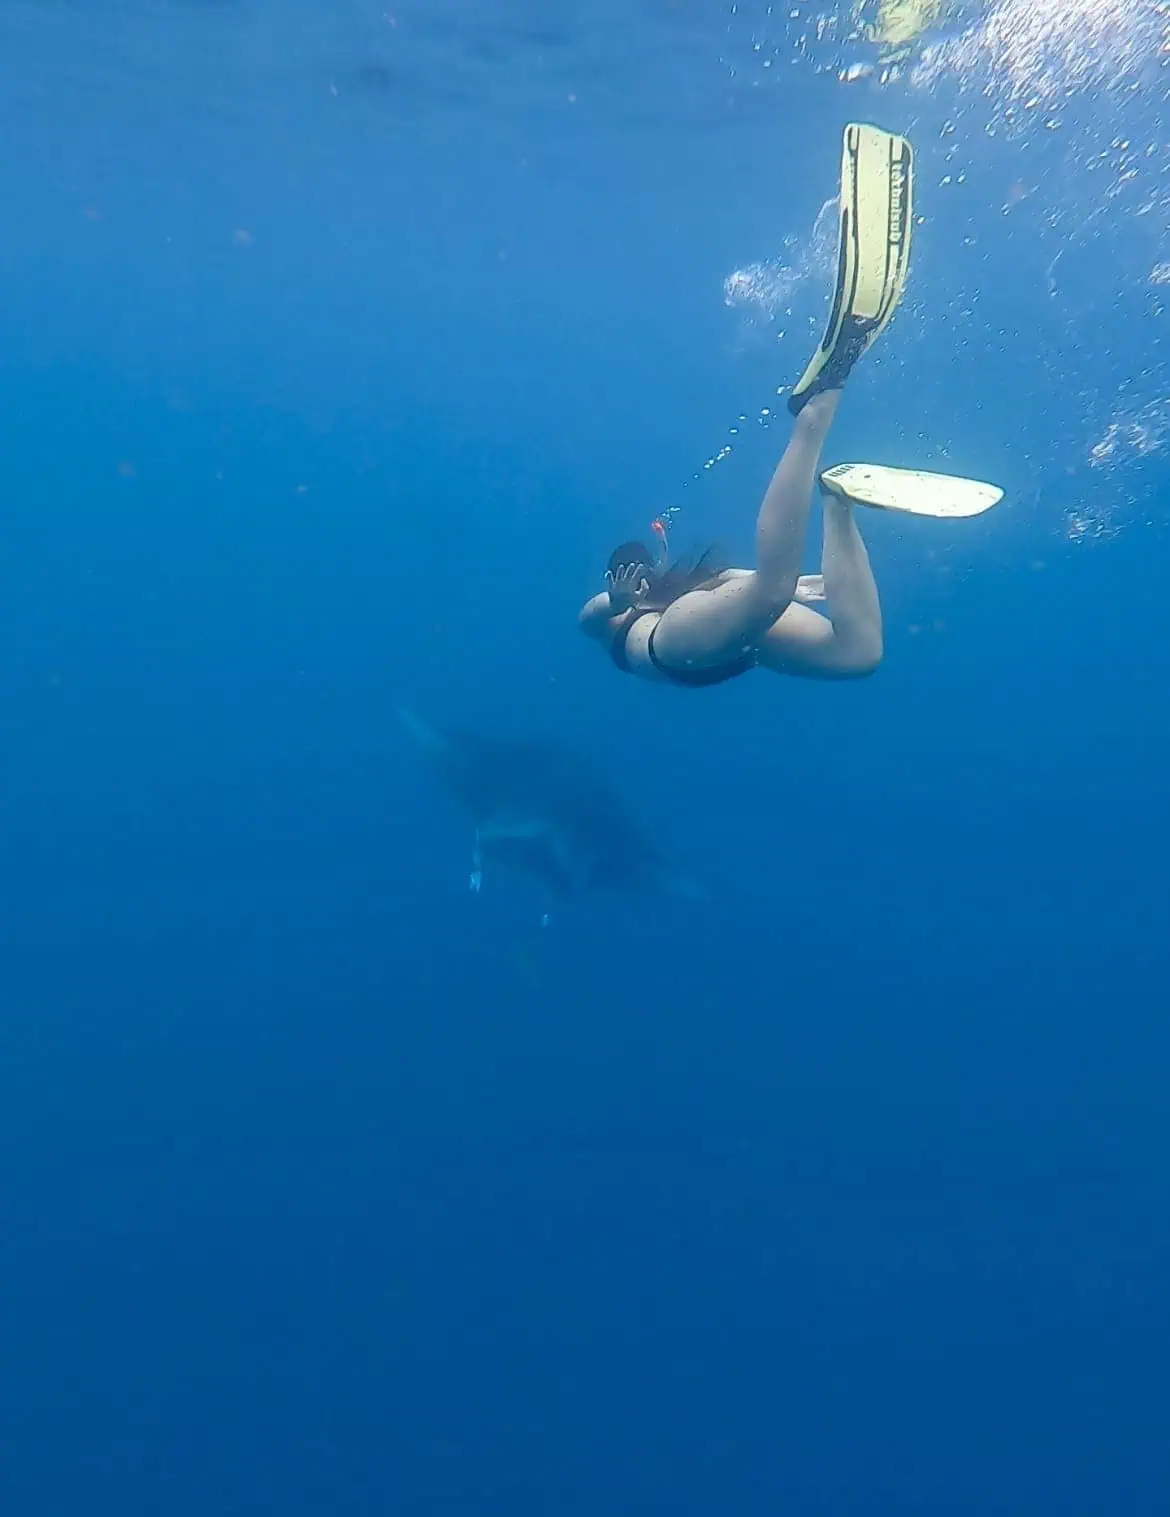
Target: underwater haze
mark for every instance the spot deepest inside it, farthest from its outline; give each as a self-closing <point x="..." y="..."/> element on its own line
<point x="340" y="341"/>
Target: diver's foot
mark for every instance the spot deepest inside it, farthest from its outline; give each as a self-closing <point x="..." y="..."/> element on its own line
<point x="831" y="379"/>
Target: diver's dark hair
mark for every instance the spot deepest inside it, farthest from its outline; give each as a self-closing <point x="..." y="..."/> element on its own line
<point x="631" y="553"/>
<point x="681" y="577"/>
<point x="678" y="578"/>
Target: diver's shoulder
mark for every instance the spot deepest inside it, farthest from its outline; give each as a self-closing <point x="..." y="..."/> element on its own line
<point x="595" y="615"/>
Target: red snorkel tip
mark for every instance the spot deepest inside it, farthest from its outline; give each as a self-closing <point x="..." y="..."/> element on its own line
<point x="658" y="527"/>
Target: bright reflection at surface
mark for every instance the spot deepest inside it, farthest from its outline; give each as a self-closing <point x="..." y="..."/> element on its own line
<point x="1041" y="50"/>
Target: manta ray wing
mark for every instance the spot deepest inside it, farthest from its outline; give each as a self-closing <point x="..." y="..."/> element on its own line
<point x="535" y="854"/>
<point x="540" y="810"/>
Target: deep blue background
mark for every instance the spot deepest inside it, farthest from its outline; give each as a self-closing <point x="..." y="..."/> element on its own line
<point x="334" y="355"/>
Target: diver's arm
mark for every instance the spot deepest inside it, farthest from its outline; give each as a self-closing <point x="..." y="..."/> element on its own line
<point x="597" y="618"/>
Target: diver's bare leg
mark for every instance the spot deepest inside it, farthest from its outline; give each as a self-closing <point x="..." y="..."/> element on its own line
<point x="848" y="642"/>
<point x="703" y="629"/>
<point x="782" y="525"/>
<point x="850" y="588"/>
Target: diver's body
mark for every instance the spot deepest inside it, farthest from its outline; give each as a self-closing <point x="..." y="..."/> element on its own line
<point x="703" y="630"/>
<point x="743" y="618"/>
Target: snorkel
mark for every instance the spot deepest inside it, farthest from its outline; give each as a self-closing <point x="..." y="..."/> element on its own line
<point x="658" y="527"/>
<point x="629" y="556"/>
<point x="635" y="572"/>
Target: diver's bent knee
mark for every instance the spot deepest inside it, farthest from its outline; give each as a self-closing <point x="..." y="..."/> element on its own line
<point x="862" y="663"/>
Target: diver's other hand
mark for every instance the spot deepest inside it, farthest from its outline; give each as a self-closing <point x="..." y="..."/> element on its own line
<point x="625" y="585"/>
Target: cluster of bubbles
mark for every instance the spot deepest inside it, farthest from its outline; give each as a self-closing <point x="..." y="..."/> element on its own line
<point x="1021" y="55"/>
<point x="1119" y="484"/>
<point x="1089" y="525"/>
<point x="1041" y="52"/>
<point x="792" y="288"/>
<point x="857" y="40"/>
<point x="780" y="35"/>
<point x="770" y="287"/>
<point x="1116" y="463"/>
<point x="763" y="287"/>
<point x="1137" y="435"/>
<point x="763" y="418"/>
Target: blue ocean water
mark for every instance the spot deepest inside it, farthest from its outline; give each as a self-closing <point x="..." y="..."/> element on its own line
<point x="339" y="342"/>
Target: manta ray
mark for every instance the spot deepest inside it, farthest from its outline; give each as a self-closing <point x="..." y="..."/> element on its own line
<point x="539" y="809"/>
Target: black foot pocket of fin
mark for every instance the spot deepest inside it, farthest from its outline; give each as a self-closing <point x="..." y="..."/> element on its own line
<point x="873" y="255"/>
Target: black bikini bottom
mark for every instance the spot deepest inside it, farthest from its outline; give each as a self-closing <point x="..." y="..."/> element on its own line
<point x="718" y="674"/>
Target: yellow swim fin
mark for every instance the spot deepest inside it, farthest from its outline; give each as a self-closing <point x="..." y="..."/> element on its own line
<point x="872" y="258"/>
<point x="916" y="492"/>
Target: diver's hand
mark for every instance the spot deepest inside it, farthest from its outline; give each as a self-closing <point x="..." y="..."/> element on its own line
<point x="626" y="584"/>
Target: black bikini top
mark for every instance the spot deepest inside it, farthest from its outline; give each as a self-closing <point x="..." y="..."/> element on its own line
<point x="691" y="678"/>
